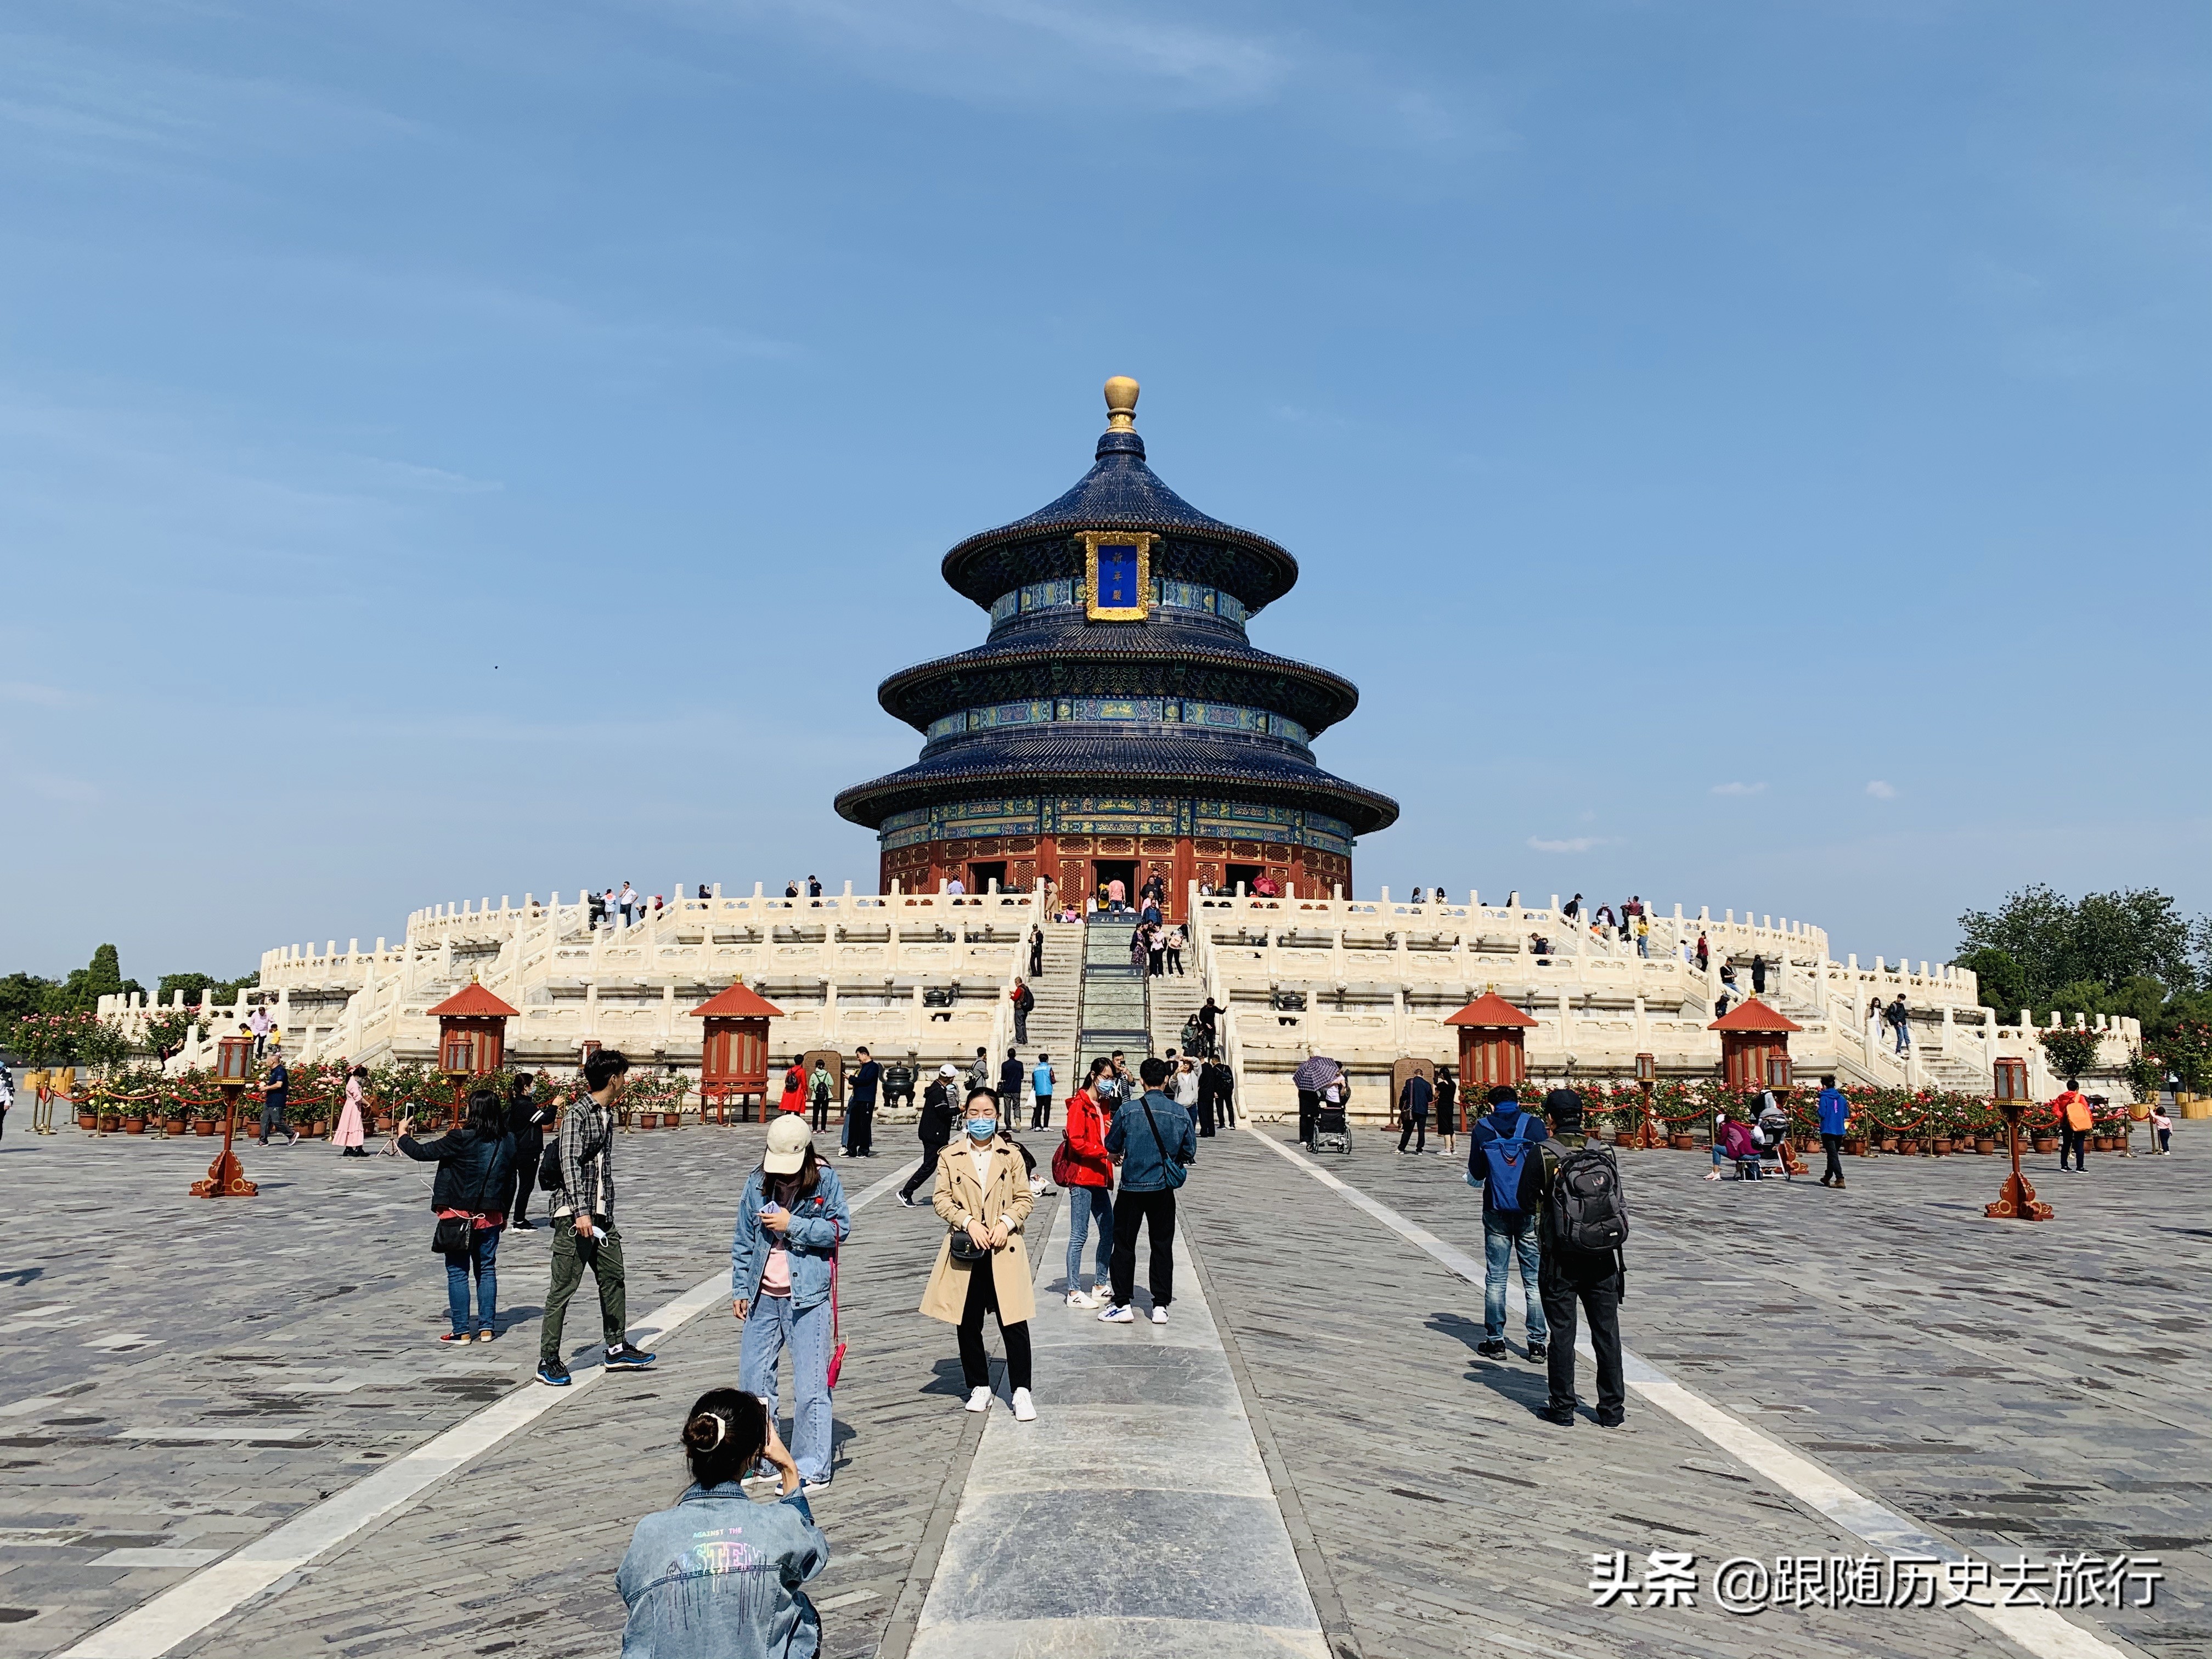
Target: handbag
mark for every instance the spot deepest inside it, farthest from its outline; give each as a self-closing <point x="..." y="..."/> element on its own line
<point x="836" y="1340"/>
<point x="965" y="1248"/>
<point x="1176" y="1173"/>
<point x="455" y="1235"/>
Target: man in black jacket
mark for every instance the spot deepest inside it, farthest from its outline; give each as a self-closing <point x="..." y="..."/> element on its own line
<point x="861" y="1107"/>
<point x="935" y="1127"/>
<point x="527" y="1118"/>
<point x="1594" y="1278"/>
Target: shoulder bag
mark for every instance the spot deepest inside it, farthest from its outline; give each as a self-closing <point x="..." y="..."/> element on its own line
<point x="455" y="1235"/>
<point x="1176" y="1173"/>
<point x="964" y="1249"/>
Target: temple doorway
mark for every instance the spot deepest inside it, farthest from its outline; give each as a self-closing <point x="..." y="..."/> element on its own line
<point x="1121" y="869"/>
<point x="1250" y="874"/>
<point x="980" y="875"/>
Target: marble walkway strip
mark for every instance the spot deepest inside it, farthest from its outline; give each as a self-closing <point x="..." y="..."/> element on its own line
<point x="186" y="1609"/>
<point x="1133" y="1517"/>
<point x="2040" y="1631"/>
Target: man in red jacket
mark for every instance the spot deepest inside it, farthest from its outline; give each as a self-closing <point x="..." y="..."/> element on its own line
<point x="2075" y="1121"/>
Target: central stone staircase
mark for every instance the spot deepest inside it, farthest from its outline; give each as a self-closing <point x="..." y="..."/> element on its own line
<point x="1116" y="1012"/>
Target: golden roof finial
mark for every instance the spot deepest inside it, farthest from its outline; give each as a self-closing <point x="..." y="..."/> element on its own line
<point x="1120" y="404"/>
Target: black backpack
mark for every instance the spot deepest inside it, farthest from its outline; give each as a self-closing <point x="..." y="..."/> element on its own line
<point x="1588" y="1209"/>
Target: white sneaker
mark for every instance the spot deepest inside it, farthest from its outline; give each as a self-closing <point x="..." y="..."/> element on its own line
<point x="1712" y="1174"/>
<point x="1081" y="1299"/>
<point x="1117" y="1315"/>
<point x="1025" y="1407"/>
<point x="979" y="1398"/>
<point x="1159" y="1315"/>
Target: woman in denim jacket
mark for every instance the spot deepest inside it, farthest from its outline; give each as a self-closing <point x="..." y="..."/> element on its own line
<point x="717" y="1577"/>
<point x="790" y="1222"/>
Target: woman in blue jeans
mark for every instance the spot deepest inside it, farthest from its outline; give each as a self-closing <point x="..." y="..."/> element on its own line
<point x="476" y="1174"/>
<point x="1083" y="1167"/>
<point x="783" y="1258"/>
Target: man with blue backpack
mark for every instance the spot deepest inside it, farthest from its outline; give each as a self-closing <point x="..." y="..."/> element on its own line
<point x="1505" y="1163"/>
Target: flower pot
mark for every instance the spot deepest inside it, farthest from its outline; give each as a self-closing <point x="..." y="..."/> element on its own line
<point x="1682" y="1143"/>
<point x="2139" y="1110"/>
<point x="384" y="1123"/>
<point x="134" y="1126"/>
<point x="175" y="1126"/>
<point x="1624" y="1137"/>
<point x="1986" y="1143"/>
<point x="88" y="1119"/>
<point x="1854" y="1147"/>
<point x="1907" y="1147"/>
<point x="2044" y="1143"/>
<point x="203" y="1126"/>
<point x="1941" y="1147"/>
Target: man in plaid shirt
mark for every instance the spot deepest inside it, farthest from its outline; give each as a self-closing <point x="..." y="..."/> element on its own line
<point x="583" y="1223"/>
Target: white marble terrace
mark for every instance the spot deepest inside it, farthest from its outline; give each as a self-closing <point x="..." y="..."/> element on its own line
<point x="926" y="974"/>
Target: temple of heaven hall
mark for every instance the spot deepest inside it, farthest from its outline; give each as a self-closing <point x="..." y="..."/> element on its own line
<point x="1117" y="724"/>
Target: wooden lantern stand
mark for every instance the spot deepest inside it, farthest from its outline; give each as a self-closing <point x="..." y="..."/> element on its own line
<point x="472" y="1040"/>
<point x="1755" y="1055"/>
<point x="2018" y="1201"/>
<point x="734" y="1050"/>
<point x="1493" y="1046"/>
<point x="1647" y="1076"/>
<point x="226" y="1176"/>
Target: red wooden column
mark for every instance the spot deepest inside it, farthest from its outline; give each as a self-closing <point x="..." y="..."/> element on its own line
<point x="1492" y="1048"/>
<point x="733" y="1049"/>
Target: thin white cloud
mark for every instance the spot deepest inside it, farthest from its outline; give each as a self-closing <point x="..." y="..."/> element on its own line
<point x="1738" y="789"/>
<point x="1882" y="791"/>
<point x="46" y="697"/>
<point x="1571" y="844"/>
<point x="51" y="785"/>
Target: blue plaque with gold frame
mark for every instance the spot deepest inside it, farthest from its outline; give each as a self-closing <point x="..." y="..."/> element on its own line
<point x="1117" y="575"/>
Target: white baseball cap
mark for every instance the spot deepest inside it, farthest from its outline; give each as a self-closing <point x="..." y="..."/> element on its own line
<point x="787" y="1141"/>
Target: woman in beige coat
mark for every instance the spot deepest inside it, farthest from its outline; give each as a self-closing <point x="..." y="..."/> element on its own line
<point x="983" y="1192"/>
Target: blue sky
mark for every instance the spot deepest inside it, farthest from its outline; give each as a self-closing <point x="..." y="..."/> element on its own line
<point x="1748" y="455"/>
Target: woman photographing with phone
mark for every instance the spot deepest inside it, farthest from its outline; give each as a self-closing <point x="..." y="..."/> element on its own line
<point x="982" y="1196"/>
<point x="783" y="1284"/>
<point x="719" y="1573"/>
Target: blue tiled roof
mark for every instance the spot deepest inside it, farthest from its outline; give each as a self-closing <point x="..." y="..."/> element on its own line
<point x="1057" y="651"/>
<point x="1177" y="762"/>
<point x="1121" y="492"/>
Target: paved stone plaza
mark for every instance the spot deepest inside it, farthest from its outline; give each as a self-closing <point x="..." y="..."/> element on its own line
<point x="1311" y="1457"/>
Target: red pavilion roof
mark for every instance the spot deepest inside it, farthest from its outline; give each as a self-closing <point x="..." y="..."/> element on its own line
<point x="741" y="1001"/>
<point x="1490" y="1009"/>
<point x="1753" y="1016"/>
<point x="473" y="1001"/>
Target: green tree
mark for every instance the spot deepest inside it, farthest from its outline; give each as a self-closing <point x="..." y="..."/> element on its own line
<point x="205" y="987"/>
<point x="25" y="994"/>
<point x="2003" y="982"/>
<point x="2062" y="947"/>
<point x="101" y="977"/>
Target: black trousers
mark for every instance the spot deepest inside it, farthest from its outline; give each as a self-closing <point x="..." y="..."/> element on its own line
<point x="930" y="1149"/>
<point x="528" y="1149"/>
<point x="1601" y="1301"/>
<point x="975" y="1364"/>
<point x="1416" y="1130"/>
<point x="1227" y="1108"/>
<point x="1041" y="1114"/>
<point x="861" y="1133"/>
<point x="1833" y="1145"/>
<point x="1308" y="1103"/>
<point x="1021" y="1028"/>
<point x="2076" y="1142"/>
<point x="821" y="1119"/>
<point x="1156" y="1213"/>
<point x="1205" y="1110"/>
